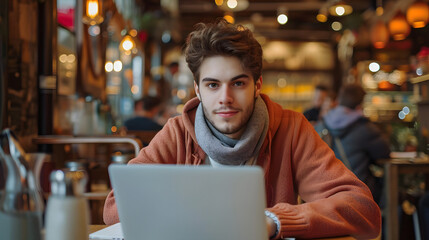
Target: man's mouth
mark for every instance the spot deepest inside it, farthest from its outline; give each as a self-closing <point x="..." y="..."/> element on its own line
<point x="226" y="113"/>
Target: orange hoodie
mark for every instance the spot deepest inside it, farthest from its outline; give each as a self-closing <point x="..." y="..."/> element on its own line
<point x="296" y="161"/>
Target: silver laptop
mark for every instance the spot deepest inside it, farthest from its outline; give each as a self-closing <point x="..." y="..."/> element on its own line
<point x="166" y="202"/>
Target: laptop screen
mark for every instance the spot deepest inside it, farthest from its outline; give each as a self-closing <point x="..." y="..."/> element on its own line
<point x="189" y="202"/>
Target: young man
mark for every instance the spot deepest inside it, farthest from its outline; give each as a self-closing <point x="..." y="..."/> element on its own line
<point x="232" y="123"/>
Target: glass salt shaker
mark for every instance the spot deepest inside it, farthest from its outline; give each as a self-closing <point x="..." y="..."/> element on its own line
<point x="67" y="211"/>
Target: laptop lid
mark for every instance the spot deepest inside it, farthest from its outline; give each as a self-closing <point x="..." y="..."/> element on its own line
<point x="189" y="202"/>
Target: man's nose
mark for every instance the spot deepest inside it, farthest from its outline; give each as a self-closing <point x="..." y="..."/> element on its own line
<point x="226" y="95"/>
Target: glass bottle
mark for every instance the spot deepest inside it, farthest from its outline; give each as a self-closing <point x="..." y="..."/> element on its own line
<point x="21" y="203"/>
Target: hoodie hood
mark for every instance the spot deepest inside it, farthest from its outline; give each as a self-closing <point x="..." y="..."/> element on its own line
<point x="188" y="116"/>
<point x="339" y="118"/>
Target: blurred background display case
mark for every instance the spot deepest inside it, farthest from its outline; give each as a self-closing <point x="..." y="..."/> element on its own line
<point x="390" y="102"/>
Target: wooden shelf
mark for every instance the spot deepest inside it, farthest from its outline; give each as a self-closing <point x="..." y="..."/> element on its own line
<point x="420" y="79"/>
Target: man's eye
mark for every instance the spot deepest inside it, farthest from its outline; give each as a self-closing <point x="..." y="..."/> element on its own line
<point x="212" y="85"/>
<point x="238" y="84"/>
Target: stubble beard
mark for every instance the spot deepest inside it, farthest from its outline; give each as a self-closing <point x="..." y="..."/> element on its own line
<point x="230" y="129"/>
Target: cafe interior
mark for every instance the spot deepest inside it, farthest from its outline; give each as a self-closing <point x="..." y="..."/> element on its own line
<point x="71" y="70"/>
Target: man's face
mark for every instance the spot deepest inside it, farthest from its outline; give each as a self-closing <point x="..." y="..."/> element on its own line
<point x="319" y="97"/>
<point x="228" y="93"/>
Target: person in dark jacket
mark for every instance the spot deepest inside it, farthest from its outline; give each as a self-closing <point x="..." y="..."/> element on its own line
<point x="355" y="140"/>
<point x="146" y="109"/>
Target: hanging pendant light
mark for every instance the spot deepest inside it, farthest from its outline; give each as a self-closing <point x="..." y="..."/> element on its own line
<point x="399" y="27"/>
<point x="379" y="35"/>
<point x="379" y="10"/>
<point x="282" y="17"/>
<point x="93" y="12"/>
<point x="340" y="9"/>
<point x="418" y="14"/>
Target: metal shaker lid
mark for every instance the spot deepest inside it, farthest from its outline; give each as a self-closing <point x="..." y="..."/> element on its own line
<point x="121" y="158"/>
<point x="75" y="165"/>
<point x="68" y="183"/>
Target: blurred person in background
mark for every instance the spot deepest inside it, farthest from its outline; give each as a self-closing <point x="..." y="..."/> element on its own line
<point x="322" y="102"/>
<point x="146" y="109"/>
<point x="355" y="140"/>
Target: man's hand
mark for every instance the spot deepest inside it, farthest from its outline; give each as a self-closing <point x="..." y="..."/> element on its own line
<point x="271" y="226"/>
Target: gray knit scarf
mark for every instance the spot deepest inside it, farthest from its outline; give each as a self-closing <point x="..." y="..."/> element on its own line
<point x="225" y="150"/>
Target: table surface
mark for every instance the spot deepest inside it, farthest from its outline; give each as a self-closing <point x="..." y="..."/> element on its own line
<point x="94" y="228"/>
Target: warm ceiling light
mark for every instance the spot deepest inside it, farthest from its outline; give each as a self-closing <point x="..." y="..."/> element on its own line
<point x="108" y="66"/>
<point x="282" y="18"/>
<point x="374" y="67"/>
<point x="398" y="27"/>
<point x="379" y="11"/>
<point x="117" y="66"/>
<point x="340" y="9"/>
<point x="93" y="11"/>
<point x="323" y="15"/>
<point x="135" y="89"/>
<point x="418" y="14"/>
<point x="379" y="35"/>
<point x="127" y="44"/>
<point x="219" y="2"/>
<point x="336" y="26"/>
<point x="229" y="18"/>
<point x="233" y="5"/>
<point x="133" y="33"/>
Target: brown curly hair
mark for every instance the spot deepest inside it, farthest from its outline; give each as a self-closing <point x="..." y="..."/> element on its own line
<point x="223" y="38"/>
